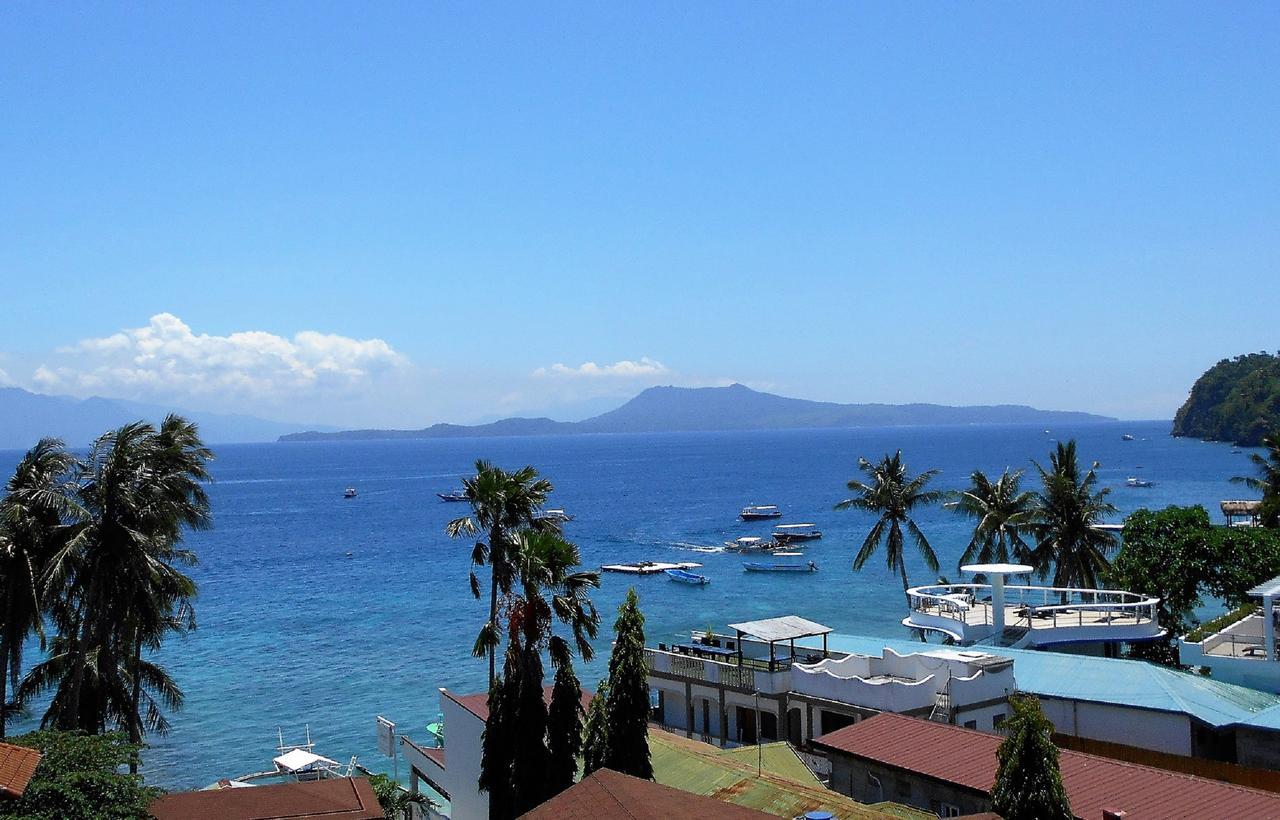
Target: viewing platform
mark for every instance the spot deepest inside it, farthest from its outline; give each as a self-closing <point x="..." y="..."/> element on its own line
<point x="1018" y="615"/>
<point x="1243" y="652"/>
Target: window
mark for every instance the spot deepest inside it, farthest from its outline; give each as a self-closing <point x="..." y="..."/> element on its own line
<point x="971" y="724"/>
<point x="997" y="721"/>
<point x="945" y="809"/>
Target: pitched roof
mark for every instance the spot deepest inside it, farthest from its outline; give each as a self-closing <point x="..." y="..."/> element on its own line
<point x="478" y="703"/>
<point x="17" y="765"/>
<point x="781" y="629"/>
<point x="968" y="758"/>
<point x="1111" y="680"/>
<point x="338" y="798"/>
<point x="607" y="794"/>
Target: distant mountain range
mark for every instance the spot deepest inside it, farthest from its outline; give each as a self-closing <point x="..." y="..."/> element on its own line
<point x="686" y="409"/>
<point x="26" y="417"/>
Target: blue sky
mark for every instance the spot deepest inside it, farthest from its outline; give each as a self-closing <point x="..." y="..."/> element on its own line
<point x="1070" y="207"/>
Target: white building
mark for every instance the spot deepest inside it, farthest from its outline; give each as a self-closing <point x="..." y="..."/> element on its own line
<point x="1243" y="652"/>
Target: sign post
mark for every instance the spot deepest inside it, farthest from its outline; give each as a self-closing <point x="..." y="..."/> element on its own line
<point x="387" y="744"/>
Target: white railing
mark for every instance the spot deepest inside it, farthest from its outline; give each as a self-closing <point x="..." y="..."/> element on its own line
<point x="1061" y="606"/>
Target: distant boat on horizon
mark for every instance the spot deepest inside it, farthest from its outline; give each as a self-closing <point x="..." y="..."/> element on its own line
<point x="1133" y="481"/>
<point x="350" y="492"/>
<point x="453" y="497"/>
<point x="1126" y="437"/>
<point x="760" y="512"/>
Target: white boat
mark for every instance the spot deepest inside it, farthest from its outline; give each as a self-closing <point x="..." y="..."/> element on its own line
<point x="559" y="516"/>
<point x="686" y="577"/>
<point x="786" y="533"/>
<point x="453" y="497"/>
<point x="292" y="763"/>
<point x="350" y="492"/>
<point x="1126" y="437"/>
<point x="760" y="512"/>
<point x="1133" y="481"/>
<point x="749" y="543"/>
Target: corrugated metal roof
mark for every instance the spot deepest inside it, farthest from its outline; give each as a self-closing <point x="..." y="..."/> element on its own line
<point x="1111" y="680"/>
<point x="1266" y="588"/>
<point x="781" y="629"/>
<point x="968" y="758"/>
<point x="606" y="794"/>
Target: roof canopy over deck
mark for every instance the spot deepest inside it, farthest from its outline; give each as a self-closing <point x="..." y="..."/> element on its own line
<point x="786" y="628"/>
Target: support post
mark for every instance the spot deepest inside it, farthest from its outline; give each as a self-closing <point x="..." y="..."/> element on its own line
<point x="1268" y="627"/>
<point x="997" y="602"/>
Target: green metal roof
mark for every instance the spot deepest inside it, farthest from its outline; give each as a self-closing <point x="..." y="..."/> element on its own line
<point x="1117" y="681"/>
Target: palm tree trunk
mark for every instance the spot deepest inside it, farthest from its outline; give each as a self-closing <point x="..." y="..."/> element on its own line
<point x="135" y="719"/>
<point x="494" y="536"/>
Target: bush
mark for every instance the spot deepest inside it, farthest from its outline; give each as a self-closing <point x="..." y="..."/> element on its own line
<point x="79" y="776"/>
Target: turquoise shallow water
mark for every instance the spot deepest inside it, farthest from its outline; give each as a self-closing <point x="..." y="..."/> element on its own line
<point x="292" y="632"/>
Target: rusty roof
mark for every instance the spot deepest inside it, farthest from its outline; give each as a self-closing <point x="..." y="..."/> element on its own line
<point x="478" y="703"/>
<point x="339" y="798"/>
<point x="17" y="765"/>
<point x="968" y="758"/>
<point x="606" y="794"/>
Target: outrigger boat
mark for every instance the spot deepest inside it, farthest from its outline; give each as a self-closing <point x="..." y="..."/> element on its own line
<point x="559" y="516"/>
<point x="455" y="496"/>
<point x="758" y="566"/>
<point x="786" y="533"/>
<point x="686" y="577"/>
<point x="294" y="763"/>
<point x="1138" y="482"/>
<point x="760" y="512"/>
<point x="749" y="543"/>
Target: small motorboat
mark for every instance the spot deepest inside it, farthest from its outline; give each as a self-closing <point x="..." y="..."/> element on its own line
<point x="349" y="492"/>
<point x="749" y="543"/>
<point x="453" y="497"/>
<point x="1126" y="437"/>
<point x="760" y="512"/>
<point x="1133" y="481"/>
<point x="787" y="533"/>
<point x="559" y="516"/>
<point x="686" y="577"/>
<point x="760" y="566"/>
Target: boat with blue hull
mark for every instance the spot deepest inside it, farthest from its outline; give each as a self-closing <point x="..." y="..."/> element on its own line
<point x="761" y="566"/>
<point x="686" y="577"/>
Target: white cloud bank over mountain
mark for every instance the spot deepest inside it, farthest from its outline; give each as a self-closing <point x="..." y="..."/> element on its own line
<point x="644" y="367"/>
<point x="166" y="358"/>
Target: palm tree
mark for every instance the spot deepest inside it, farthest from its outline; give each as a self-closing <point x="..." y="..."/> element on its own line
<point x="546" y="563"/>
<point x="1004" y="512"/>
<point x="1068" y="512"/>
<point x="892" y="494"/>
<point x="502" y="504"/>
<point x="1267" y="481"/>
<point x="37" y="501"/>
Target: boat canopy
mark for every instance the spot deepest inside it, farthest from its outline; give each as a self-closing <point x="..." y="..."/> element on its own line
<point x="786" y="628"/>
<point x="793" y="526"/>
<point x="300" y="760"/>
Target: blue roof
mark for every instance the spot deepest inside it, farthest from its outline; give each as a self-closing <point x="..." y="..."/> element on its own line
<point x="1136" y="684"/>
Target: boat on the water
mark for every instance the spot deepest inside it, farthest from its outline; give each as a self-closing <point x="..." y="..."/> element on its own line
<point x="1126" y="437"/>
<point x="648" y="567"/>
<point x="349" y="492"/>
<point x="559" y="516"/>
<point x="749" y="543"/>
<point x="1133" y="481"/>
<point x="297" y="762"/>
<point x="453" y="497"/>
<point x="761" y="566"/>
<point x="787" y="533"/>
<point x="760" y="512"/>
<point x="686" y="577"/>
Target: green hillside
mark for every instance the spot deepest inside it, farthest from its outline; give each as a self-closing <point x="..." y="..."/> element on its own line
<point x="1235" y="400"/>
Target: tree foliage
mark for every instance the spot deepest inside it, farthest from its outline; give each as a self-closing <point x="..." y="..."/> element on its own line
<point x="79" y="776"/>
<point x="1267" y="479"/>
<point x="1003" y="513"/>
<point x="1235" y="400"/>
<point x="627" y="703"/>
<point x="892" y="494"/>
<point x="564" y="730"/>
<point x="1028" y="783"/>
<point x="1069" y="507"/>
<point x="396" y="801"/>
<point x="595" y="741"/>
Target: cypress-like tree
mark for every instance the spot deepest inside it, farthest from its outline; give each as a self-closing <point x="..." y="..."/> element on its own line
<point x="627" y="704"/>
<point x="564" y="730"/>
<point x="595" y="744"/>
<point x="1029" y="785"/>
<point x="497" y="746"/>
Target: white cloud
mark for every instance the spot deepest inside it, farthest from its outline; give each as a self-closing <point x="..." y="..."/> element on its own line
<point x="627" y="369"/>
<point x="165" y="358"/>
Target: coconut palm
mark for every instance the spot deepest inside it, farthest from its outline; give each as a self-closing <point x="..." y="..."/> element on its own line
<point x="546" y="563"/>
<point x="37" y="500"/>
<point x="1267" y="481"/>
<point x="1003" y="513"/>
<point x="1069" y="508"/>
<point x="502" y="504"/>
<point x="892" y="494"/>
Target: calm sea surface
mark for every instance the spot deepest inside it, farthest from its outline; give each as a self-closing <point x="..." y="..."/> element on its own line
<point x="293" y="632"/>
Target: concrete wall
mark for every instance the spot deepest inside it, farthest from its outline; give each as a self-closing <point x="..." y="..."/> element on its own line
<point x="462" y="754"/>
<point x="1144" y="728"/>
<point x="850" y="776"/>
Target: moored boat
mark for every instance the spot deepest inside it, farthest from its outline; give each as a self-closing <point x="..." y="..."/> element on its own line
<point x="749" y="543"/>
<point x="1126" y="437"/>
<point x="1132" y="481"/>
<point x="760" y="512"/>
<point x="350" y="492"/>
<point x="786" y="533"/>
<point x="761" y="566"/>
<point x="453" y="497"/>
<point x="686" y="577"/>
<point x="559" y="516"/>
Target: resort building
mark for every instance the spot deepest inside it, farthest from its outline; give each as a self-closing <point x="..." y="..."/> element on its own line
<point x="950" y="771"/>
<point x="1244" y="651"/>
<point x="1000" y="614"/>
<point x="800" y="681"/>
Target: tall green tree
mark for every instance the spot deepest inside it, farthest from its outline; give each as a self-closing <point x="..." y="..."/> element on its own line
<point x="565" y="730"/>
<point x="892" y="494"/>
<point x="502" y="504"/>
<point x="1267" y="479"/>
<point x="1028" y="783"/>
<point x="595" y="741"/>
<point x="1069" y="508"/>
<point x="627" y="703"/>
<point x="37" y="501"/>
<point x="1002" y="513"/>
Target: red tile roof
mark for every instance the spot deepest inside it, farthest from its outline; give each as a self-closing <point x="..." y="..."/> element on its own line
<point x="968" y="758"/>
<point x="17" y="765"/>
<point x="338" y="798"/>
<point x="607" y="794"/>
<point x="478" y="704"/>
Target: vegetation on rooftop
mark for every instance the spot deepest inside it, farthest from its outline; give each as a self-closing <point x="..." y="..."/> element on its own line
<point x="1236" y="400"/>
<point x="1221" y="622"/>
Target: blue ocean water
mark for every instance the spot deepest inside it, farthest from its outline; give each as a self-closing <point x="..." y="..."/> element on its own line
<point x="292" y="632"/>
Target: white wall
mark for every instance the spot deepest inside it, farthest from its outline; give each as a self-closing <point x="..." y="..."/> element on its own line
<point x="1144" y="728"/>
<point x="462" y="754"/>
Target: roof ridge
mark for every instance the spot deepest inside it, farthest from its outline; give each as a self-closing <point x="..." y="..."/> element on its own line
<point x="604" y="785"/>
